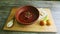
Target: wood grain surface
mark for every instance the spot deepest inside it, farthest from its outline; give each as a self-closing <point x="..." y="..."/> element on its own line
<point x="32" y="28"/>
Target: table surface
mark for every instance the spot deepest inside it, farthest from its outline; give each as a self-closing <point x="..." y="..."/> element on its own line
<point x="5" y="7"/>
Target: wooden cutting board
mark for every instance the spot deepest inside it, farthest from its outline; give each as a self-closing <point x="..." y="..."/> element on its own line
<point x="30" y="28"/>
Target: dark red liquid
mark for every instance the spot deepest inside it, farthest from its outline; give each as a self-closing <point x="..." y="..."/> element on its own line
<point x="26" y="17"/>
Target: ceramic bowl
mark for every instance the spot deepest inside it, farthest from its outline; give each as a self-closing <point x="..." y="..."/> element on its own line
<point x="27" y="15"/>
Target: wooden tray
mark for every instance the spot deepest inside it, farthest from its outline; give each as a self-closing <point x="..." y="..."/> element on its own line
<point x="31" y="28"/>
